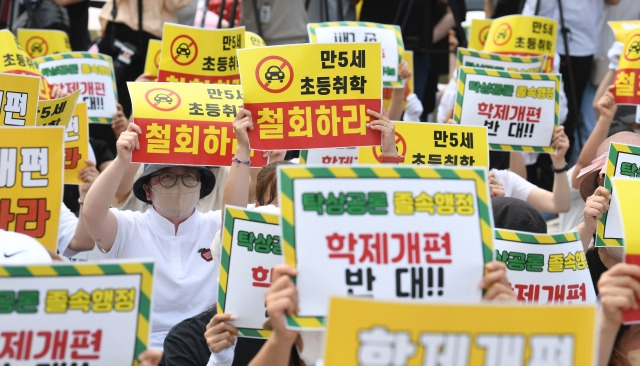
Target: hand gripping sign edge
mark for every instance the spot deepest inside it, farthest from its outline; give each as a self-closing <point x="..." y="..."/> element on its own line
<point x="402" y="149"/>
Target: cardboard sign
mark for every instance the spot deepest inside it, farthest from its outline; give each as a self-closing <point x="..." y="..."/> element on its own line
<point x="18" y="100"/>
<point x="545" y="268"/>
<point x="525" y="36"/>
<point x="336" y="156"/>
<point x="152" y="61"/>
<point x="187" y="123"/>
<point x="251" y="248"/>
<point x="82" y="314"/>
<point x="389" y="36"/>
<point x="56" y="112"/>
<point x="459" y="335"/>
<point x="402" y="240"/>
<point x="253" y="40"/>
<point x="312" y="95"/>
<point x="91" y="73"/>
<point x="16" y="61"/>
<point x="494" y="61"/>
<point x="519" y="110"/>
<point x="196" y="55"/>
<point x="76" y="144"/>
<point x="435" y="144"/>
<point x="623" y="161"/>
<point x="478" y="33"/>
<point x="43" y="42"/>
<point x="31" y="181"/>
<point x="621" y="28"/>
<point x="627" y="197"/>
<point x="627" y="78"/>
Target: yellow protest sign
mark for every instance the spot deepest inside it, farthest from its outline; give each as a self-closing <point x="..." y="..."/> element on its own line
<point x="76" y="144"/>
<point x="429" y="334"/>
<point x="196" y="55"/>
<point x="478" y="33"/>
<point x="312" y="95"/>
<point x="56" y="112"/>
<point x="16" y="61"/>
<point x="253" y="40"/>
<point x="627" y="90"/>
<point x="18" y="99"/>
<point x="408" y="89"/>
<point x="152" y="62"/>
<point x="622" y="27"/>
<point x="31" y="182"/>
<point x="485" y="60"/>
<point x="435" y="144"/>
<point x="628" y="193"/>
<point x="523" y="35"/>
<point x="187" y="123"/>
<point x="42" y="42"/>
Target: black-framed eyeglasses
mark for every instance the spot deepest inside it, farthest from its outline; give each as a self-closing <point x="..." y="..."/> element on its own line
<point x="168" y="180"/>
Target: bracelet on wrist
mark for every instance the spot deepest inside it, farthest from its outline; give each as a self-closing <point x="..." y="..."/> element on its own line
<point x="561" y="170"/>
<point x="393" y="159"/>
<point x="238" y="162"/>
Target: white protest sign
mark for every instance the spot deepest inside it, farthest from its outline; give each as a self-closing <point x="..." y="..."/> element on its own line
<point x="519" y="110"/>
<point x="332" y="156"/>
<point x="389" y="37"/>
<point x="251" y="248"/>
<point x="91" y="73"/>
<point x="545" y="268"/>
<point x="82" y="314"/>
<point x="384" y="232"/>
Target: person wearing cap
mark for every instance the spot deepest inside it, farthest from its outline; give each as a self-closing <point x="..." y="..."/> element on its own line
<point x="171" y="231"/>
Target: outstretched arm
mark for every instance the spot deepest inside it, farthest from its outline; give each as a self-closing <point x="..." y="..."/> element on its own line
<point x="100" y="222"/>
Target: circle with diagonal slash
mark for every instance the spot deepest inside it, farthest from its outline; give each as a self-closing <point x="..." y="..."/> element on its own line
<point x="274" y="74"/>
<point x="37" y="47"/>
<point x="631" y="50"/>
<point x="503" y="34"/>
<point x="484" y="32"/>
<point x="162" y="99"/>
<point x="184" y="50"/>
<point x="401" y="146"/>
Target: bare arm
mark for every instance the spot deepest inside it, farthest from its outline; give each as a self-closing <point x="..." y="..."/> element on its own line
<point x="489" y="10"/>
<point x="396" y="105"/>
<point x="604" y="85"/>
<point x="607" y="107"/>
<point x="100" y="222"/>
<point x="126" y="184"/>
<point x="236" y="190"/>
<point x="558" y="200"/>
<point x="516" y="164"/>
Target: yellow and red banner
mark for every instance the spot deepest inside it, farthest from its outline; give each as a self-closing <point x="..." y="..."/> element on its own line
<point x="478" y="33"/>
<point x="152" y="61"/>
<point x="56" y="112"/>
<point x="187" y="123"/>
<point x="18" y="99"/>
<point x="16" y="61"/>
<point x="31" y="181"/>
<point x="196" y="55"/>
<point x="42" y="42"/>
<point x="469" y="335"/>
<point x="627" y="90"/>
<point x="524" y="36"/>
<point x="435" y="144"/>
<point x="76" y="144"/>
<point x="312" y="95"/>
<point x="628" y="195"/>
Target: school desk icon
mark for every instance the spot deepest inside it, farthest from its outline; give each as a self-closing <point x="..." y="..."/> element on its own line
<point x="274" y="73"/>
<point x="162" y="98"/>
<point x="183" y="49"/>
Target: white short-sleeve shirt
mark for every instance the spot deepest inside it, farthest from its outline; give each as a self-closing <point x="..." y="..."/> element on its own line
<point x="514" y="185"/>
<point x="184" y="273"/>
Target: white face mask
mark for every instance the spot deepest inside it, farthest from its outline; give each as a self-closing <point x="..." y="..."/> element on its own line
<point x="632" y="356"/>
<point x="177" y="201"/>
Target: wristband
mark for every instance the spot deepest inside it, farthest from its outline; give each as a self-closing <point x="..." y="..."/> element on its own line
<point x="393" y="159"/>
<point x="238" y="162"/>
<point x="561" y="170"/>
